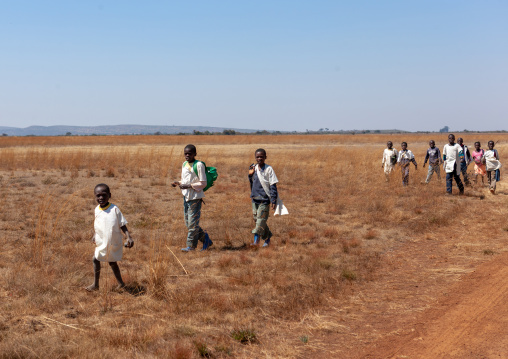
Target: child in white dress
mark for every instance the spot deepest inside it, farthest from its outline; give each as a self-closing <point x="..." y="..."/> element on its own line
<point x="390" y="157"/>
<point x="109" y="224"/>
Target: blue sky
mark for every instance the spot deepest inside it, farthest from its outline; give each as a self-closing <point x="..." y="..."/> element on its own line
<point x="276" y="65"/>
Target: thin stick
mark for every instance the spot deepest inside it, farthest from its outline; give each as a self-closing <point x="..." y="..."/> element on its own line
<point x="67" y="325"/>
<point x="186" y="273"/>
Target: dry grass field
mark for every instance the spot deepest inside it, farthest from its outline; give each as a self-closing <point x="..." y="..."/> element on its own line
<point x="356" y="262"/>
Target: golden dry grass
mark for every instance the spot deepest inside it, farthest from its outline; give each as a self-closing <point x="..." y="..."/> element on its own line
<point x="342" y="266"/>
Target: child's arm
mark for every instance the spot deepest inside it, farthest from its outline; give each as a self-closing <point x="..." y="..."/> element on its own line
<point x="129" y="242"/>
<point x="93" y="238"/>
<point x="426" y="158"/>
<point x="273" y="195"/>
<point x="414" y="162"/>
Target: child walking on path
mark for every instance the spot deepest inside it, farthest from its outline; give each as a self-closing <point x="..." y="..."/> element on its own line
<point x="451" y="156"/>
<point x="389" y="159"/>
<point x="492" y="165"/>
<point x="479" y="166"/>
<point x="109" y="224"/>
<point x="263" y="185"/>
<point x="405" y="157"/>
<point x="192" y="185"/>
<point x="464" y="161"/>
<point x="434" y="157"/>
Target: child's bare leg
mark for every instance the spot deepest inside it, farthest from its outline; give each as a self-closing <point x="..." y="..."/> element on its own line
<point x="97" y="275"/>
<point x="116" y="271"/>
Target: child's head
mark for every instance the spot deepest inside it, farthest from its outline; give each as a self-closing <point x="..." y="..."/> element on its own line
<point x="460" y="141"/>
<point x="190" y="153"/>
<point x="260" y="156"/>
<point x="403" y="145"/>
<point x="432" y="144"/>
<point x="491" y="145"/>
<point x="102" y="194"/>
<point x="477" y="145"/>
<point x="389" y="144"/>
<point x="451" y="138"/>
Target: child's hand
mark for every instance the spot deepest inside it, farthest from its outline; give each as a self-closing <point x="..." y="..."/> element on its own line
<point x="274" y="205"/>
<point x="93" y="239"/>
<point x="129" y="243"/>
<point x="174" y="184"/>
<point x="252" y="169"/>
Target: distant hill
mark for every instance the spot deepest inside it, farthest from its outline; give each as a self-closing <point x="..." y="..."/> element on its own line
<point x="110" y="130"/>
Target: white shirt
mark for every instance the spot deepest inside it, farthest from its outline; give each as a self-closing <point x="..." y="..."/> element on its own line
<point x="405" y="155"/>
<point x="491" y="162"/>
<point x="108" y="235"/>
<point x="452" y="154"/>
<point x="197" y="181"/>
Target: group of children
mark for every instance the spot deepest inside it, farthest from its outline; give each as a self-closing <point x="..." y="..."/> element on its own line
<point x="110" y="223"/>
<point x="455" y="160"/>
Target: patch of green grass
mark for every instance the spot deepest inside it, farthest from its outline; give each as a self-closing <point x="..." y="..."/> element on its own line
<point x="348" y="274"/>
<point x="304" y="339"/>
<point x="203" y="350"/>
<point x="244" y="336"/>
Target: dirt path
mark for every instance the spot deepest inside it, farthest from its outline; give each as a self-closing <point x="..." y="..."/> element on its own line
<point x="470" y="321"/>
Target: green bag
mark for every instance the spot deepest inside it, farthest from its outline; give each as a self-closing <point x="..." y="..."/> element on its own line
<point x="211" y="173"/>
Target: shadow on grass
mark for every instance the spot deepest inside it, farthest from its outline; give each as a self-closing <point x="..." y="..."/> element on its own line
<point x="230" y="247"/>
<point x="135" y="289"/>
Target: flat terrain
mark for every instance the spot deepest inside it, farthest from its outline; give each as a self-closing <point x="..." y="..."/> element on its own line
<point x="361" y="268"/>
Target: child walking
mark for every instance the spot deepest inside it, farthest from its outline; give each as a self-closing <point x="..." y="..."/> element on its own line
<point x="452" y="152"/>
<point x="109" y="224"/>
<point x="479" y="166"/>
<point x="263" y="185"/>
<point x="492" y="165"/>
<point x="389" y="159"/>
<point x="464" y="161"/>
<point x="405" y="157"/>
<point x="434" y="157"/>
<point x="192" y="185"/>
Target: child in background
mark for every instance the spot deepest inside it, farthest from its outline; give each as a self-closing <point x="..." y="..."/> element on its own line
<point x="479" y="166"/>
<point x="452" y="152"/>
<point x="464" y="161"/>
<point x="192" y="185"/>
<point x="492" y="165"/>
<point x="389" y="159"/>
<point x="434" y="157"/>
<point x="405" y="157"/>
<point x="263" y="185"/>
<point x="109" y="224"/>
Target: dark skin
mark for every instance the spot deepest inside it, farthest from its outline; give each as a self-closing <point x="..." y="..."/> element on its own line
<point x="432" y="144"/>
<point x="404" y="147"/>
<point x="102" y="196"/>
<point x="260" y="160"/>
<point x="190" y="157"/>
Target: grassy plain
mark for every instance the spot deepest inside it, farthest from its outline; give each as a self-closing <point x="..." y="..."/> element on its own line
<point x="355" y="261"/>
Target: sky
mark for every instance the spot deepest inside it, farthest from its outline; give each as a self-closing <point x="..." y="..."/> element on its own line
<point x="267" y="65"/>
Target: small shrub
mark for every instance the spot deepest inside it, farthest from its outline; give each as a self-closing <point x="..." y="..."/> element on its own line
<point x="488" y="252"/>
<point x="371" y="234"/>
<point x="304" y="339"/>
<point x="203" y="350"/>
<point x="244" y="336"/>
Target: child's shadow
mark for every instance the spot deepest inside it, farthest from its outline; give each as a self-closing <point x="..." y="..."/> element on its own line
<point x="230" y="247"/>
<point x="135" y="289"/>
<point x="502" y="192"/>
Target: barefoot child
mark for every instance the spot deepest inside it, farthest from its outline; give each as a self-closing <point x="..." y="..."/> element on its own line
<point x="263" y="185"/>
<point x="109" y="224"/>
<point x="492" y="165"/>
<point x="479" y="166"/>
<point x="434" y="157"/>
<point x="389" y="159"/>
<point x="192" y="184"/>
<point x="405" y="157"/>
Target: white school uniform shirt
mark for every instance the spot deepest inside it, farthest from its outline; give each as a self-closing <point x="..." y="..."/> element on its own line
<point x="405" y="155"/>
<point x="387" y="154"/>
<point x="108" y="235"/>
<point x="267" y="177"/>
<point x="197" y="181"/>
<point x="491" y="162"/>
<point x="452" y="154"/>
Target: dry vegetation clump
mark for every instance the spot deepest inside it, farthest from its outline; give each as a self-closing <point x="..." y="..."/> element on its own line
<point x="348" y="232"/>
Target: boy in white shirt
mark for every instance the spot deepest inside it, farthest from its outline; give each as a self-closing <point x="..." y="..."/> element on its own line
<point x="109" y="224"/>
<point x="389" y="159"/>
<point x="192" y="185"/>
<point x="452" y="153"/>
<point x="405" y="157"/>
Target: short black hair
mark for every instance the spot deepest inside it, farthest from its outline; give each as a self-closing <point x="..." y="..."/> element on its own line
<point x="190" y="147"/>
<point x="102" y="185"/>
<point x="403" y="143"/>
<point x="478" y="142"/>
<point x="260" y="150"/>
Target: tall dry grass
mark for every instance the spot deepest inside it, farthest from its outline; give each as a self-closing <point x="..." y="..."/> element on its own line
<point x="344" y="224"/>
